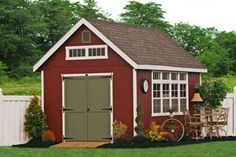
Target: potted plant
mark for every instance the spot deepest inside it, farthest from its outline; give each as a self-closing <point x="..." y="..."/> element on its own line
<point x="171" y="111"/>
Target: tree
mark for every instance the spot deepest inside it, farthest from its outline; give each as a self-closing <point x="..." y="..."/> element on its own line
<point x="193" y="38"/>
<point x="35" y="120"/>
<point x="89" y="10"/>
<point x="17" y="29"/>
<point x="147" y="15"/>
<point x="227" y="40"/>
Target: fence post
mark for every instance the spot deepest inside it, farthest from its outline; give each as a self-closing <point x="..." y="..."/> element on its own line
<point x="1" y="95"/>
<point x="234" y="111"/>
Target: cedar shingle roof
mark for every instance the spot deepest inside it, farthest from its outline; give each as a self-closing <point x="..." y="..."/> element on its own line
<point x="146" y="46"/>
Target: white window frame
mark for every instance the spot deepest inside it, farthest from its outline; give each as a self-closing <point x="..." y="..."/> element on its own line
<point x="86" y="57"/>
<point x="170" y="90"/>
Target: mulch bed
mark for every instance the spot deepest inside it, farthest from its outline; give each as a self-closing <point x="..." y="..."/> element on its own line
<point x="144" y="143"/>
<point x="36" y="143"/>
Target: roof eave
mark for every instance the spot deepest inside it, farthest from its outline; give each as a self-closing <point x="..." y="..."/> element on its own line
<point x="171" y="68"/>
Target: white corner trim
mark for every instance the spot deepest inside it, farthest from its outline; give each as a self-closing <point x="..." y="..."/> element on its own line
<point x="42" y="90"/>
<point x="134" y="99"/>
<point x="71" y="32"/>
<point x="170" y="68"/>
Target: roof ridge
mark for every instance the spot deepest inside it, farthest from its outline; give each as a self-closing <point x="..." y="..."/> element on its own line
<point x="125" y="24"/>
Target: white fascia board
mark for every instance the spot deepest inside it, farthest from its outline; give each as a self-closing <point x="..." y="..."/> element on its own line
<point x="170" y="68"/>
<point x="71" y="32"/>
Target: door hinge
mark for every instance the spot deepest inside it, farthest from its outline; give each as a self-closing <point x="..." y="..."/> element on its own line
<point x="68" y="138"/>
<point x="107" y="109"/>
<point x="67" y="109"/>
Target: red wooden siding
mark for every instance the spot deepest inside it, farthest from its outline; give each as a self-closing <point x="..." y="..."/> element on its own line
<point x="146" y="99"/>
<point x="57" y="65"/>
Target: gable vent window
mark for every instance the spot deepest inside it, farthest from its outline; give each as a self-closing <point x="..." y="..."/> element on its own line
<point x="86" y="36"/>
<point x="86" y="52"/>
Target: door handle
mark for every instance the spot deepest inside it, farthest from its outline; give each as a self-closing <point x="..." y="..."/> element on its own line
<point x="88" y="109"/>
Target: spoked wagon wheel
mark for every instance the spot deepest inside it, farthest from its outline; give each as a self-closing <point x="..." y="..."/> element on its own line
<point x="174" y="128"/>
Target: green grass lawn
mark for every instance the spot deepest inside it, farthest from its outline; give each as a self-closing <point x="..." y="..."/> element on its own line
<point x="229" y="80"/>
<point x="212" y="149"/>
<point x="23" y="86"/>
<point x="29" y="85"/>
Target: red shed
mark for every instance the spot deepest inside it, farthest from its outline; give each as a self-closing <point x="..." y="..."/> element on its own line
<point x="98" y="72"/>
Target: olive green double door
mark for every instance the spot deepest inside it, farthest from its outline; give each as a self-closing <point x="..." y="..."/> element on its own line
<point x="87" y="108"/>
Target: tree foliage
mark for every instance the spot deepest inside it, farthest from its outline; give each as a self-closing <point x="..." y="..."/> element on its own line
<point x="147" y="15"/>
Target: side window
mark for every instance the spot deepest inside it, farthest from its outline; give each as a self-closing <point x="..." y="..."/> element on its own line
<point x="86" y="36"/>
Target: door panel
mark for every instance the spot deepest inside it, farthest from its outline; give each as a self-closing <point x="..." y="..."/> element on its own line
<point x="76" y="113"/>
<point x="87" y="100"/>
<point x="99" y="103"/>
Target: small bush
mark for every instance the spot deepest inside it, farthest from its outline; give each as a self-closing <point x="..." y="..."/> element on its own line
<point x="119" y="130"/>
<point x="35" y="120"/>
<point x="139" y="128"/>
<point x="155" y="133"/>
<point x="48" y="136"/>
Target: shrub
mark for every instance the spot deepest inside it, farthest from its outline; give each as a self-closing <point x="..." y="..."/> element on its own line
<point x="35" y="120"/>
<point x="155" y="133"/>
<point x="139" y="128"/>
<point x="212" y="93"/>
<point x="48" y="136"/>
<point x="119" y="130"/>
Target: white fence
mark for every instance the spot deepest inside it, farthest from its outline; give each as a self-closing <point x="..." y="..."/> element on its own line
<point x="12" y="110"/>
<point x="230" y="101"/>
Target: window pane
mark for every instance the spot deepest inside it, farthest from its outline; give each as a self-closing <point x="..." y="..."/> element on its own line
<point x="90" y="52"/>
<point x="175" y="104"/>
<point x="74" y="52"/>
<point x="83" y="52"/>
<point x="94" y="52"/>
<point x="98" y="51"/>
<point x="156" y="105"/>
<point x="103" y="51"/>
<point x="174" y="90"/>
<point x="174" y="76"/>
<point x="166" y="105"/>
<point x="156" y="90"/>
<point x="79" y="52"/>
<point x="70" y="53"/>
<point x="182" y="90"/>
<point x="182" y="76"/>
<point x="183" y="104"/>
<point x="165" y="90"/>
<point x="156" y="76"/>
<point x="165" y="76"/>
<point x="86" y="37"/>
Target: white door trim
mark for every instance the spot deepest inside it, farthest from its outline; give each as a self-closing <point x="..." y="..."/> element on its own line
<point x="81" y="75"/>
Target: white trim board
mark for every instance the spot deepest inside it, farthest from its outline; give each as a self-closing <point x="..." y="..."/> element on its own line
<point x="134" y="100"/>
<point x="42" y="90"/>
<point x="110" y="44"/>
<point x="170" y="68"/>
